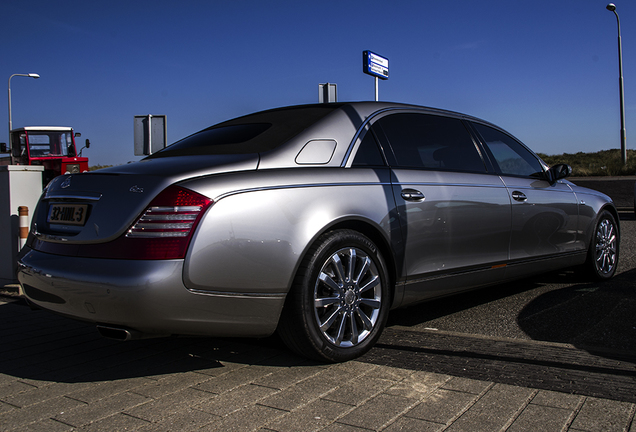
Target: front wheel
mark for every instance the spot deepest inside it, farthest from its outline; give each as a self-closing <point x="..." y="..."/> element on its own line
<point x="340" y="300"/>
<point x="602" y="258"/>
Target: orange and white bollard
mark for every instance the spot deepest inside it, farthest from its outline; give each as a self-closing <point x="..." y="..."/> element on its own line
<point x="23" y="213"/>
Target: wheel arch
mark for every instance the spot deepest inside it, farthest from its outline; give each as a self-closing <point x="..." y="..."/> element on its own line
<point x="376" y="235"/>
<point x="613" y="211"/>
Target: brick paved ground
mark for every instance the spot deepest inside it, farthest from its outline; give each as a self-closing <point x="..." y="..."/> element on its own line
<point x="59" y="375"/>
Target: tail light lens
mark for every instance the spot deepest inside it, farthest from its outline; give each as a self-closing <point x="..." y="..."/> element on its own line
<point x="163" y="231"/>
<point x="172" y="214"/>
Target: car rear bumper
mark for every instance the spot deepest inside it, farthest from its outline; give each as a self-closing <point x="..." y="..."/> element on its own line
<point x="145" y="296"/>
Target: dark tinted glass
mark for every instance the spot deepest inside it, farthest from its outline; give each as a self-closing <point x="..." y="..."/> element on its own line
<point x="254" y="133"/>
<point x="221" y="136"/>
<point x="368" y="153"/>
<point x="432" y="142"/>
<point x="510" y="155"/>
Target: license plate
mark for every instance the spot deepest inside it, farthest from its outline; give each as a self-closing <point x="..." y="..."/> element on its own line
<point x="67" y="214"/>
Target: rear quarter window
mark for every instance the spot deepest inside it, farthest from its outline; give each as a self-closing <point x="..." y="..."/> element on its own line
<point x="254" y="133"/>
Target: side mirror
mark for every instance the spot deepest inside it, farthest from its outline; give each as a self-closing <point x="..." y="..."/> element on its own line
<point x="77" y="134"/>
<point x="558" y="172"/>
<point x="88" y="145"/>
<point x="3" y="148"/>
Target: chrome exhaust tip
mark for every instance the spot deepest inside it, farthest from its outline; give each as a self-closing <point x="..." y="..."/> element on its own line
<point x="117" y="333"/>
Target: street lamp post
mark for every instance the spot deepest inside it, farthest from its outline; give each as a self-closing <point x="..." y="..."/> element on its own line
<point x="611" y="7"/>
<point x="31" y="75"/>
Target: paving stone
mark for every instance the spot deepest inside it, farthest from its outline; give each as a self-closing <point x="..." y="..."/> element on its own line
<point x="557" y="400"/>
<point x="543" y="418"/>
<point x="100" y="390"/>
<point x="101" y="409"/>
<point x="157" y="409"/>
<point x="170" y="384"/>
<point x="115" y="422"/>
<point x="466" y="385"/>
<point x="603" y="415"/>
<point x="6" y="408"/>
<point x="340" y="427"/>
<point x="20" y="418"/>
<point x="442" y="406"/>
<point x="305" y="391"/>
<point x="358" y="390"/>
<point x="387" y="372"/>
<point x="378" y="411"/>
<point x="494" y="409"/>
<point x="235" y="399"/>
<point x="288" y="376"/>
<point x="232" y="379"/>
<point x="83" y="383"/>
<point x="13" y="387"/>
<point x="43" y="392"/>
<point x="351" y="369"/>
<point x="47" y="425"/>
<point x="418" y="385"/>
<point x="250" y="418"/>
<point x="311" y="417"/>
<point x="406" y="424"/>
<point x="185" y="420"/>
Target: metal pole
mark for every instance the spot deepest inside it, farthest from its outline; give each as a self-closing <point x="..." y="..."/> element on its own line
<point x="9" y="142"/>
<point x="31" y="75"/>
<point x="612" y="8"/>
<point x="376" y="88"/>
<point x="149" y="134"/>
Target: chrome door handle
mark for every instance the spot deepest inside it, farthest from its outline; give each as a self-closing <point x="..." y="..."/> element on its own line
<point x="412" y="195"/>
<point x="519" y="196"/>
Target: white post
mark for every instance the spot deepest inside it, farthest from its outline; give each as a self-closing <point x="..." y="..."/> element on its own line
<point x="23" y="213"/>
<point x="376" y="88"/>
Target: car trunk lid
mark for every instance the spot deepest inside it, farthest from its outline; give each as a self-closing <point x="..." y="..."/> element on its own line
<point x="100" y="206"/>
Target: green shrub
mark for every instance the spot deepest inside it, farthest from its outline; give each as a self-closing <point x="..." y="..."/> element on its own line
<point x="602" y="163"/>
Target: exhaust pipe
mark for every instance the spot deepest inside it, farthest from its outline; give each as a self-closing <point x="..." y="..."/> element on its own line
<point x="116" y="333"/>
<point x="124" y="334"/>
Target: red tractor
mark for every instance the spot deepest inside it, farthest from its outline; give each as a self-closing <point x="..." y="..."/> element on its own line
<point x="50" y="146"/>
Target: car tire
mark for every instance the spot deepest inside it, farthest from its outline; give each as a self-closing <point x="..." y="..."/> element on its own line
<point x="340" y="299"/>
<point x="602" y="257"/>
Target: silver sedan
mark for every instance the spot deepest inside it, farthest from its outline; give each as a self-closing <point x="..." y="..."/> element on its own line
<point x="313" y="221"/>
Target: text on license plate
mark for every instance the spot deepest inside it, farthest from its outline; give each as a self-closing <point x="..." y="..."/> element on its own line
<point x="67" y="214"/>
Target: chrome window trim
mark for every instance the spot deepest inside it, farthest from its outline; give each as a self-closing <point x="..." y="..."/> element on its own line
<point x="347" y="164"/>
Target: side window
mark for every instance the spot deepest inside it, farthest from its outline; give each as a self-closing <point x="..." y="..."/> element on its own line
<point x="368" y="153"/>
<point x="510" y="155"/>
<point x="431" y="142"/>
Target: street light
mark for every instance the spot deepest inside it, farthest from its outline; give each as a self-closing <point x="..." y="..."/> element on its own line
<point x="611" y="7"/>
<point x="31" y="75"/>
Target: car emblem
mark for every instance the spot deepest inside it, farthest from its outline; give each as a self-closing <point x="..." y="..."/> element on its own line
<point x="136" y="189"/>
<point x="66" y="183"/>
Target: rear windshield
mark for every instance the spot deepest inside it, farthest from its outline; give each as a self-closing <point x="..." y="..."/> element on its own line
<point x="254" y="133"/>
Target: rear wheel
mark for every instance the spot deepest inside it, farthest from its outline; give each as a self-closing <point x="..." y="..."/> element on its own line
<point x="602" y="258"/>
<point x="339" y="303"/>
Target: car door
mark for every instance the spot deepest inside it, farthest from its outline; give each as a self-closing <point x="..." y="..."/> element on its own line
<point x="544" y="215"/>
<point x="454" y="214"/>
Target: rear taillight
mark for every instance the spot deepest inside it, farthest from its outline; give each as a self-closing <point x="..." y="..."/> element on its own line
<point x="163" y="231"/>
<point x="165" y="228"/>
<point x="172" y="214"/>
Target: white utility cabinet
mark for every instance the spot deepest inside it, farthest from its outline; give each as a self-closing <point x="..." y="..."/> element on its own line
<point x="20" y="185"/>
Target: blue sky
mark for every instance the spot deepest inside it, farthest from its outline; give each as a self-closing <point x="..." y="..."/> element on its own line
<point x="547" y="71"/>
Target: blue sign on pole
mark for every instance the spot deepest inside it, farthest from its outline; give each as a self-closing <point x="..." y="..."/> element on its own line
<point x="375" y="65"/>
